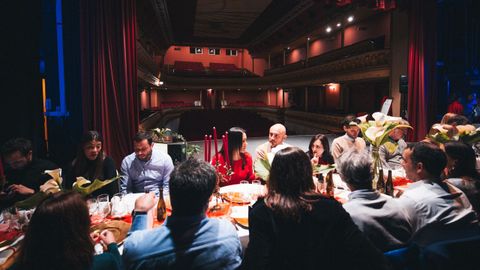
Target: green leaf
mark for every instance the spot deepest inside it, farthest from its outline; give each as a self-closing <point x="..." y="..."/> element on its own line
<point x="262" y="168"/>
<point x="323" y="169"/>
<point x="86" y="187"/>
<point x="32" y="201"/>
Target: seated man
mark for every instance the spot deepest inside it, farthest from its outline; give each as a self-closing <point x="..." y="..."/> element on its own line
<point x="24" y="174"/>
<point x="348" y="141"/>
<point x="380" y="217"/>
<point x="188" y="239"/>
<point x="391" y="152"/>
<point x="429" y="200"/>
<point x="276" y="137"/>
<point x="146" y="169"/>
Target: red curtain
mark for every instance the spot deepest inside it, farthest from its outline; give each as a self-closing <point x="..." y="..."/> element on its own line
<point x="109" y="78"/>
<point x="421" y="68"/>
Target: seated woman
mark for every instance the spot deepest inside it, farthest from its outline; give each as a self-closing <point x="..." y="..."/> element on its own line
<point x="319" y="150"/>
<point x="294" y="227"/>
<point x="58" y="237"/>
<point x="92" y="163"/>
<point x="461" y="171"/>
<point x="240" y="159"/>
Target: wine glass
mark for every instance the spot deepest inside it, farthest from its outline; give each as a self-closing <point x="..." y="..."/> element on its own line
<point x="103" y="201"/>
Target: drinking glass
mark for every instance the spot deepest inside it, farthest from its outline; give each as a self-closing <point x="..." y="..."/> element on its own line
<point x="118" y="205"/>
<point x="243" y="182"/>
<point x="92" y="206"/>
<point x="103" y="202"/>
<point x="10" y="217"/>
<point x="257" y="191"/>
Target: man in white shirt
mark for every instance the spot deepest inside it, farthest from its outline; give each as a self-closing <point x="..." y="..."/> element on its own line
<point x="429" y="200"/>
<point x="276" y="137"/>
<point x="348" y="141"/>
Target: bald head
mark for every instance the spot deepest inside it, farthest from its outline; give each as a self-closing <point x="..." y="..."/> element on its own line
<point x="277" y="134"/>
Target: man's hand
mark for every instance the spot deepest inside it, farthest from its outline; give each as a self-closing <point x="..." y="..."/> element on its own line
<point x="145" y="202"/>
<point x="21" y="189"/>
<point x="261" y="154"/>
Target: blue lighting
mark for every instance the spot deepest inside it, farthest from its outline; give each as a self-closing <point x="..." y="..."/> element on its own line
<point x="61" y="110"/>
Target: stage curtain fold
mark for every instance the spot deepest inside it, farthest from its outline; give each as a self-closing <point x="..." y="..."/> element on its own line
<point x="109" y="77"/>
<point x="422" y="93"/>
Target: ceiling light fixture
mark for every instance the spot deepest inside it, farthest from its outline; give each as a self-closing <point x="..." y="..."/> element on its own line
<point x="328" y="29"/>
<point x="339" y="24"/>
<point x="350" y="19"/>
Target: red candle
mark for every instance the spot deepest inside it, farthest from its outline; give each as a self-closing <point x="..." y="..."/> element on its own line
<point x="215" y="140"/>
<point x="224" y="149"/>
<point x="227" y="155"/>
<point x="209" y="148"/>
<point x="205" y="148"/>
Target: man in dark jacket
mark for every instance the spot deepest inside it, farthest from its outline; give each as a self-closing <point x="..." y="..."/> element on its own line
<point x="24" y="174"/>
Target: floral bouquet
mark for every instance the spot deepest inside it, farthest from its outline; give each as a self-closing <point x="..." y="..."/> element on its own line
<point x="442" y="133"/>
<point x="376" y="133"/>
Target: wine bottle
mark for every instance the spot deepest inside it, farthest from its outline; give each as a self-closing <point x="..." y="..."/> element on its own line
<point x="161" y="208"/>
<point x="380" y="182"/>
<point x="389" y="184"/>
<point x="329" y="184"/>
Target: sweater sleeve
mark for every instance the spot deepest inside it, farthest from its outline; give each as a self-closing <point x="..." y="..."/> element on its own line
<point x="108" y="260"/>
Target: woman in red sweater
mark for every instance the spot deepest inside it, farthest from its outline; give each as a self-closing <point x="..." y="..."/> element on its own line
<point x="240" y="160"/>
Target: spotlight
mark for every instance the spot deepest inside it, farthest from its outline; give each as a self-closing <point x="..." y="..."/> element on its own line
<point x="328" y="29"/>
<point x="350" y="19"/>
<point x="339" y="24"/>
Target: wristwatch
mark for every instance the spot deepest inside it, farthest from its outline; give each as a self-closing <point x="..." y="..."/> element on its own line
<point x="136" y="213"/>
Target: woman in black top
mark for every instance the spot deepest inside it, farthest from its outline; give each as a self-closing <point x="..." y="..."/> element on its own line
<point x="58" y="237"/>
<point x="294" y="227"/>
<point x="92" y="163"/>
<point x="319" y="150"/>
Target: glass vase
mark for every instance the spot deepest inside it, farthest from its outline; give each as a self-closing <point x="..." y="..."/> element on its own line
<point x="377" y="166"/>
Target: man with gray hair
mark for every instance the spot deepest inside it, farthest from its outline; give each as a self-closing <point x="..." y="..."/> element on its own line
<point x="380" y="217"/>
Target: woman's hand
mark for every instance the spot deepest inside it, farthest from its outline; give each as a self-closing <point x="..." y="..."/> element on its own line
<point x="107" y="237"/>
<point x="95" y="236"/>
<point x="314" y="160"/>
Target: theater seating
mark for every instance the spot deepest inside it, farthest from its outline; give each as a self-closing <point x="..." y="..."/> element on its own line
<point x="188" y="68"/>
